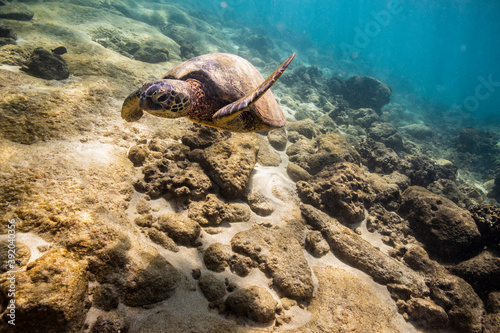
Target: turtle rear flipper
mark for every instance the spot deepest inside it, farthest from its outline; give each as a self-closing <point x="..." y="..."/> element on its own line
<point x="130" y="107"/>
<point x="234" y="109"/>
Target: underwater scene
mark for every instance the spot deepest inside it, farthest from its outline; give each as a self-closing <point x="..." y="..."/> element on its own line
<point x="249" y="166"/>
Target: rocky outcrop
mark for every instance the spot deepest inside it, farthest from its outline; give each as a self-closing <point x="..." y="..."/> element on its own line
<point x="366" y="92"/>
<point x="350" y="247"/>
<point x="448" y="232"/>
<point x="377" y="157"/>
<point x="214" y="211"/>
<point x="254" y="303"/>
<point x="182" y="229"/>
<point x="280" y="255"/>
<point x="46" y="65"/>
<point x="57" y="281"/>
<point x="212" y="287"/>
<point x="16" y="11"/>
<point x="342" y="190"/>
<point x="229" y="163"/>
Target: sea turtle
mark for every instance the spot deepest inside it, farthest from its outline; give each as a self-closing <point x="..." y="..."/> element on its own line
<point x="219" y="90"/>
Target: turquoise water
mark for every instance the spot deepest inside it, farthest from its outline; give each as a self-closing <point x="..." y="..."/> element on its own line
<point x="446" y="51"/>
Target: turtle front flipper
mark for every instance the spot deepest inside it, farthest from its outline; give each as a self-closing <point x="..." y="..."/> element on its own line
<point x="130" y="107"/>
<point x="234" y="109"/>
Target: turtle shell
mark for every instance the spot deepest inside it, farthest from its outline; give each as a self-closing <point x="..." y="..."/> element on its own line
<point x="226" y="78"/>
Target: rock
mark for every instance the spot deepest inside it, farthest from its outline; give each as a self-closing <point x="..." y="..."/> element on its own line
<point x="366" y="92"/>
<point x="386" y="194"/>
<point x="446" y="188"/>
<point x="181" y="181"/>
<point x="16" y="11"/>
<point x="182" y="229"/>
<point x="300" y="147"/>
<point x="342" y="190"/>
<point x="402" y="181"/>
<point x="254" y="303"/>
<point x="296" y="173"/>
<point x="487" y="218"/>
<point x="427" y="314"/>
<point x="306" y="127"/>
<point x="51" y="294"/>
<point x="316" y="244"/>
<point x="335" y="144"/>
<point x="282" y="258"/>
<point x="480" y="272"/>
<point x="216" y="257"/>
<point x="14" y="55"/>
<point x="149" y="278"/>
<point x="105" y="297"/>
<point x="277" y="138"/>
<point x="143" y="207"/>
<point x="46" y="65"/>
<point x="364" y="117"/>
<point x="423" y="171"/>
<point x="330" y="149"/>
<point x="137" y="155"/>
<point x="354" y="250"/>
<point x="7" y="36"/>
<point x="464" y="308"/>
<point x="267" y="156"/>
<point x="386" y="134"/>
<point x="7" y="41"/>
<point x="209" y="212"/>
<point x="7" y="32"/>
<point x="418" y="131"/>
<point x="152" y="55"/>
<point x="259" y="204"/>
<point x="110" y="323"/>
<point x="211" y="287"/>
<point x="203" y="136"/>
<point x="163" y="240"/>
<point x="462" y="305"/>
<point x="377" y="157"/>
<point x="229" y="163"/>
<point x="236" y="212"/>
<point x="358" y="307"/>
<point x="493" y="302"/>
<point x="214" y="211"/>
<point x="241" y="265"/>
<point x="185" y="321"/>
<point x="448" y="232"/>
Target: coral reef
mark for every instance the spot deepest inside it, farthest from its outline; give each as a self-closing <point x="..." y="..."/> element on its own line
<point x="347" y="219"/>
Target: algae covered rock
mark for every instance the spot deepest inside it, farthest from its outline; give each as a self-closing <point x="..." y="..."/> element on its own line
<point x="282" y="257"/>
<point x="448" y="231"/>
<point x="46" y="65"/>
<point x="254" y="303"/>
<point x="342" y="190"/>
<point x="214" y="211"/>
<point x="55" y="280"/>
<point x="149" y="278"/>
<point x="16" y="11"/>
<point x="212" y="287"/>
<point x="366" y="92"/>
<point x="216" y="257"/>
<point x="229" y="163"/>
<point x="181" y="229"/>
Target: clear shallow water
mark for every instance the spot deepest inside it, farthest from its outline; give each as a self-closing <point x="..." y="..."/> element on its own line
<point x="445" y="51"/>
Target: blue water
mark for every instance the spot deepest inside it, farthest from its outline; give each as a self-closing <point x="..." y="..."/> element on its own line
<point x="446" y="51"/>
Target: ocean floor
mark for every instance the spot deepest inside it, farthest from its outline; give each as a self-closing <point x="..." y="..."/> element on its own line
<point x="365" y="213"/>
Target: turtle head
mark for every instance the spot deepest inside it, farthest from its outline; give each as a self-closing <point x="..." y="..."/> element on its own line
<point x="166" y="98"/>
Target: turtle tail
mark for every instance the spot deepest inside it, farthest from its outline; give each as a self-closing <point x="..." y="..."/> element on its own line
<point x="232" y="110"/>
